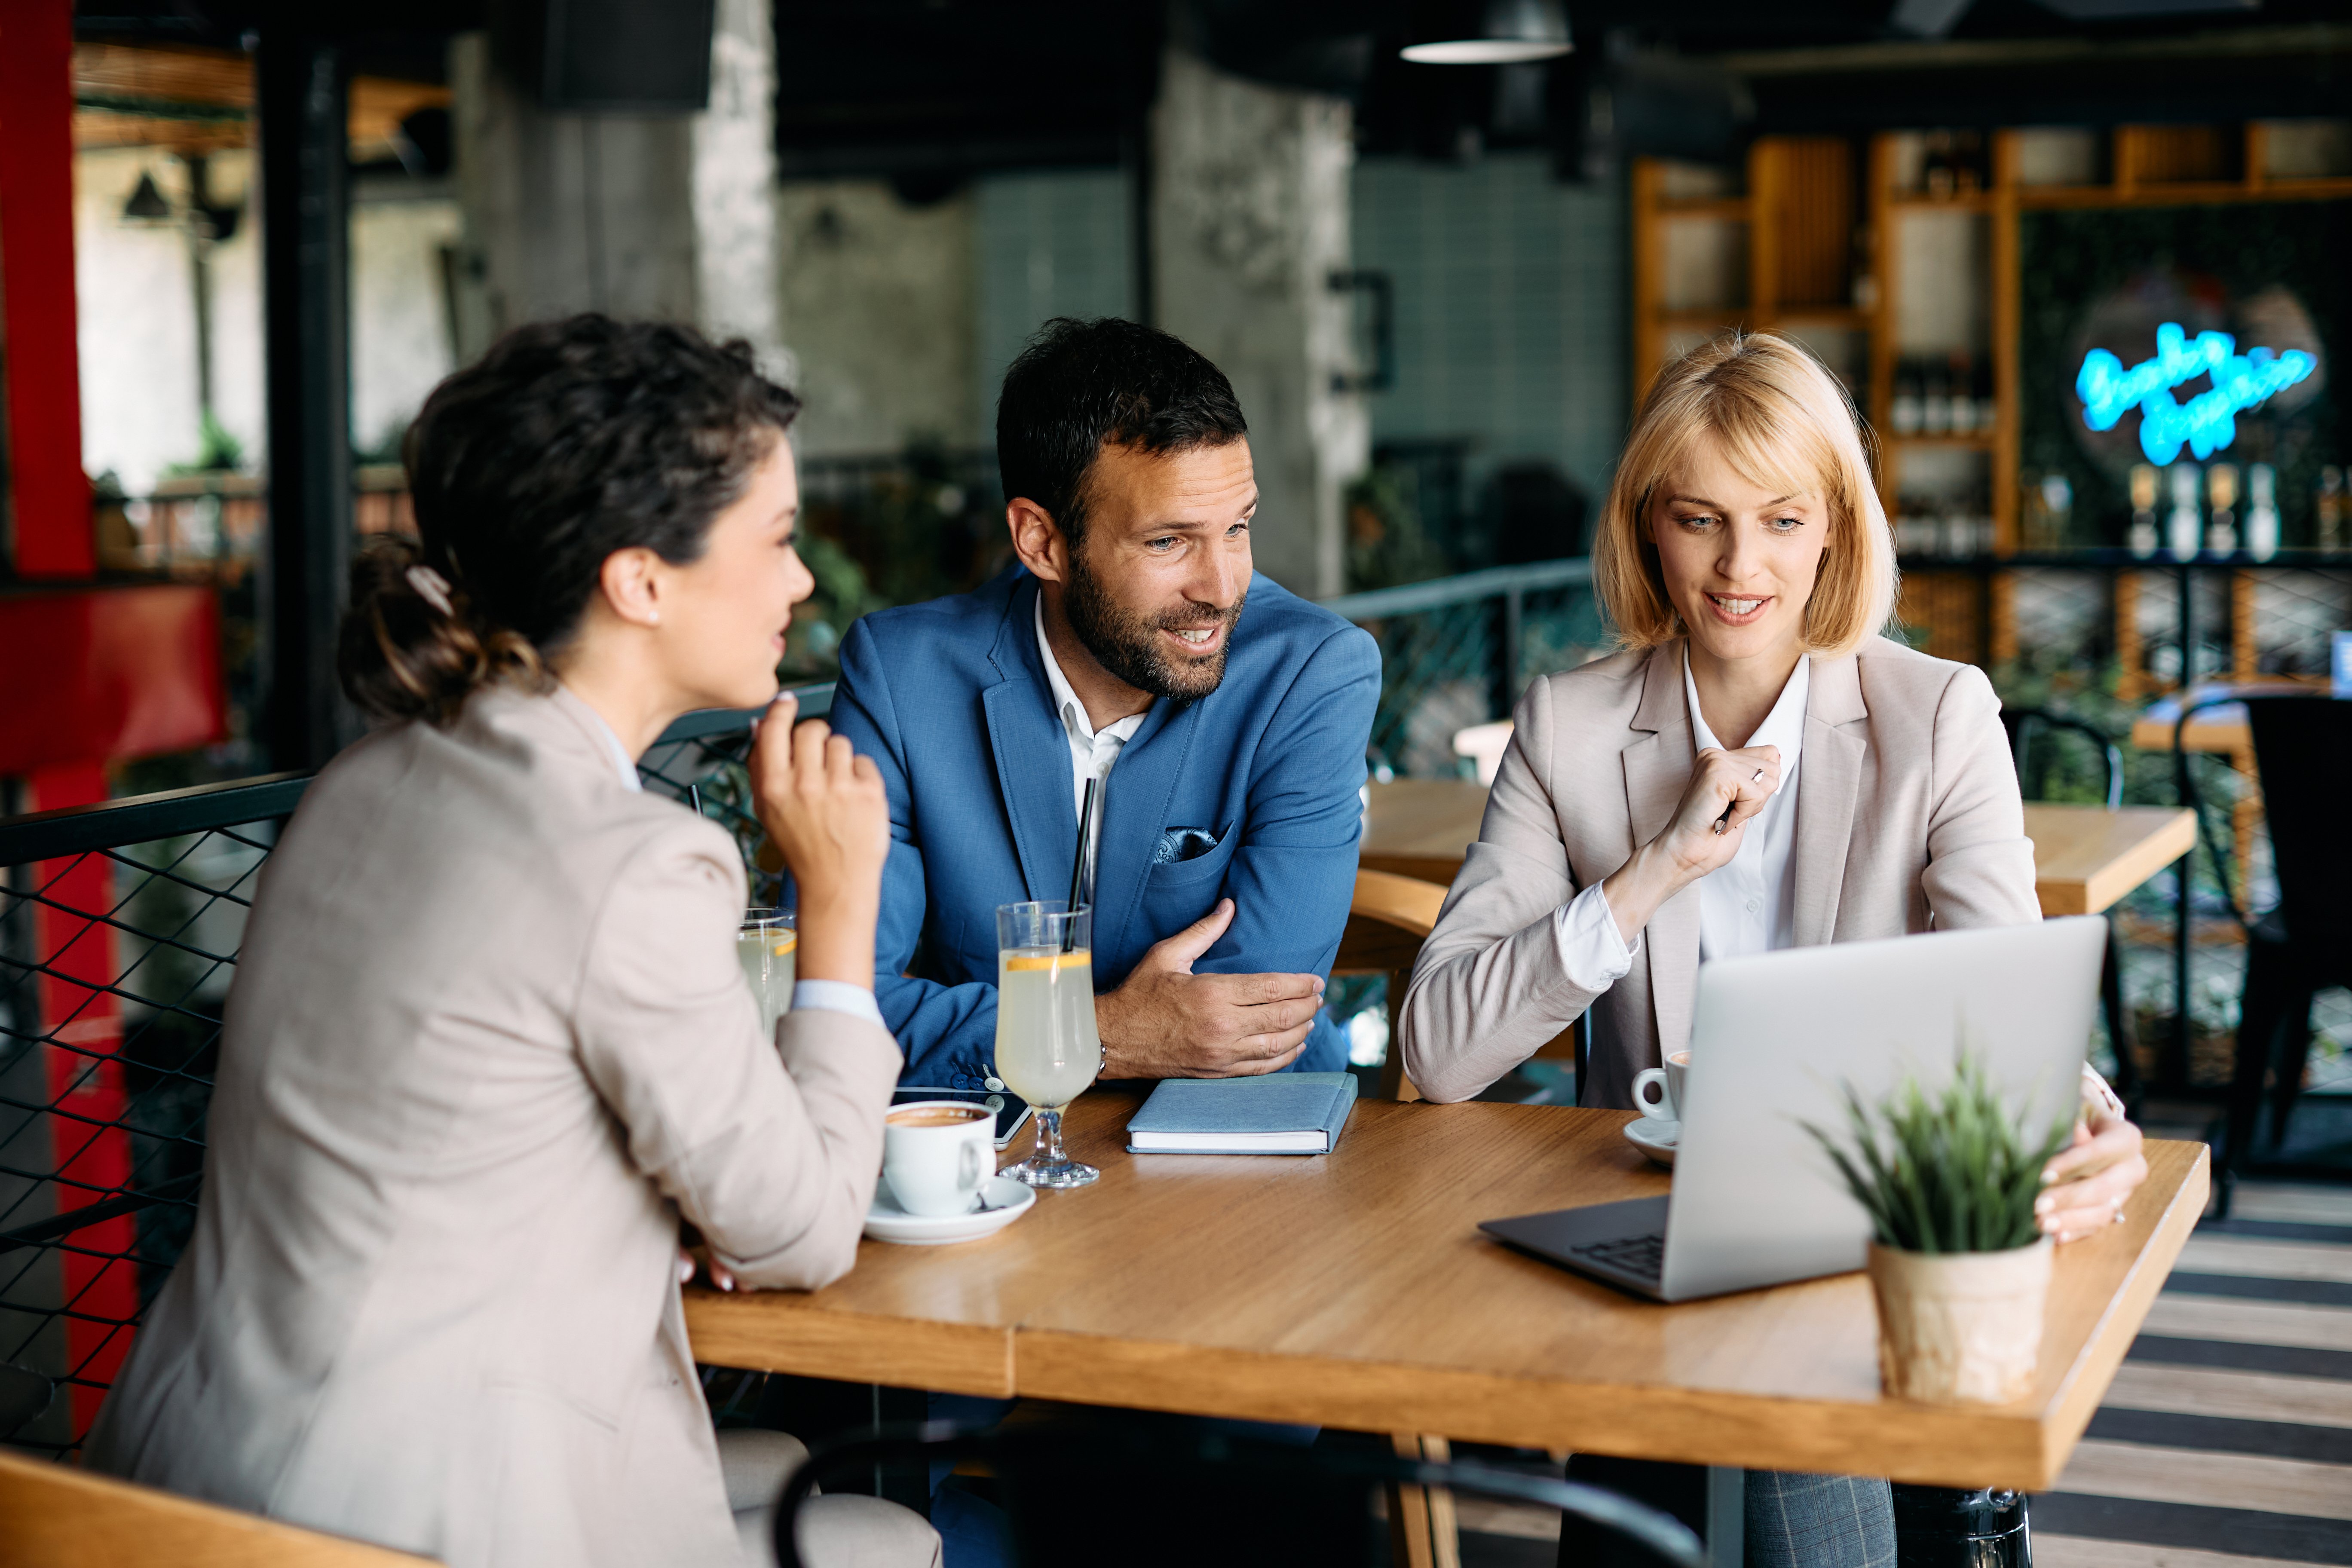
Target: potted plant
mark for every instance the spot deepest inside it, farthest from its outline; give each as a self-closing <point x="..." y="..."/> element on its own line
<point x="1957" y="1264"/>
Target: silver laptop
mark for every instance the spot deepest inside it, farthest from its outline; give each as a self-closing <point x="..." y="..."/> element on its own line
<point x="1774" y="1039"/>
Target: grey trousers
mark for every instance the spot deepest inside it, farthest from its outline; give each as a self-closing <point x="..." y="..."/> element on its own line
<point x="1791" y="1520"/>
<point x="1818" y="1522"/>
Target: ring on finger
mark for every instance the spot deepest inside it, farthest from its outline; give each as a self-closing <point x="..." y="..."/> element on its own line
<point x="1759" y="778"/>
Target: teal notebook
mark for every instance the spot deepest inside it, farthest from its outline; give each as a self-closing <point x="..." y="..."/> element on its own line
<point x="1280" y="1113"/>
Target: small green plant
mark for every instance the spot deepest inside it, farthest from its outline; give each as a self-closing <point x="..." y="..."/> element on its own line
<point x="1948" y="1174"/>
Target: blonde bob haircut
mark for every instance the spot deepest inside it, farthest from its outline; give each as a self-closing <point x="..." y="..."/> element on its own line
<point x="1784" y="423"/>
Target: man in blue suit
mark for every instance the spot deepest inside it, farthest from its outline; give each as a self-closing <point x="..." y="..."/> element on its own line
<point x="1226" y="718"/>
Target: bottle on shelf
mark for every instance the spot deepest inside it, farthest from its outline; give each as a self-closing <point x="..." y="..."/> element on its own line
<point x="1959" y="395"/>
<point x="1968" y="161"/>
<point x="2262" y="511"/>
<point x="2142" y="499"/>
<point x="1905" y="412"/>
<point x="1959" y="533"/>
<point x="2182" y="526"/>
<point x="2222" y="508"/>
<point x="2331" y="508"/>
<point x="2049" y="513"/>
<point x="1987" y="406"/>
<point x="1936" y="174"/>
<point x="1935" y="409"/>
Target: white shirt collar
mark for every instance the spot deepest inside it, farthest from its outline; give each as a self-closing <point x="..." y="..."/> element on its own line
<point x="624" y="765"/>
<point x="1067" y="703"/>
<point x="1783" y="727"/>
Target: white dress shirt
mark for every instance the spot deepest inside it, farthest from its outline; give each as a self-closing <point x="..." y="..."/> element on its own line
<point x="1747" y="904"/>
<point x="1092" y="751"/>
<point x="832" y="996"/>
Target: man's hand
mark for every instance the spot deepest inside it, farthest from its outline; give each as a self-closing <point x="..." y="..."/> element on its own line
<point x="1164" y="1021"/>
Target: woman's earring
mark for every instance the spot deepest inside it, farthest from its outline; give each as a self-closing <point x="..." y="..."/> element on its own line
<point x="652" y="618"/>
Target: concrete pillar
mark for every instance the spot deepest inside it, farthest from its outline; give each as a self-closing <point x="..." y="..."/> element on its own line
<point x="566" y="212"/>
<point x="735" y="184"/>
<point x="1249" y="219"/>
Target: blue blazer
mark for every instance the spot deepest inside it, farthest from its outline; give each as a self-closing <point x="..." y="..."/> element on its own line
<point x="950" y="699"/>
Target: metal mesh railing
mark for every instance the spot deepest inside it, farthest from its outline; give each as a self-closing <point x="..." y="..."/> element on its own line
<point x="1458" y="651"/>
<point x="118" y="933"/>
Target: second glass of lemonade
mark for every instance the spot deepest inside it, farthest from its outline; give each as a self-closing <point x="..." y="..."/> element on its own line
<point x="1047" y="1051"/>
<point x="766" y="945"/>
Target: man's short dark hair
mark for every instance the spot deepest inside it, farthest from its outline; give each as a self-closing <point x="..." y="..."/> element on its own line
<point x="1081" y="385"/>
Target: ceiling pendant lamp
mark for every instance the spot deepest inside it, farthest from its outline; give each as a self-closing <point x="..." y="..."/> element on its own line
<point x="1496" y="33"/>
<point x="146" y="205"/>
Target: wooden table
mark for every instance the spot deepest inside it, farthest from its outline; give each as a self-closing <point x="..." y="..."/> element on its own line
<point x="2222" y="729"/>
<point x="1356" y="1292"/>
<point x="2085" y="857"/>
<point x="1420" y="827"/>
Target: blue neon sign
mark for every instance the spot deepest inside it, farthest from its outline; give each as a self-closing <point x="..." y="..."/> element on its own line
<point x="2208" y="422"/>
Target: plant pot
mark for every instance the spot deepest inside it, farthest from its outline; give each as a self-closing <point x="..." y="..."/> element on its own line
<point x="1960" y="1328"/>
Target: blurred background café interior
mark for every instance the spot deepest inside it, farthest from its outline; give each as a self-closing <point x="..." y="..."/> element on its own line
<point x="241" y="242"/>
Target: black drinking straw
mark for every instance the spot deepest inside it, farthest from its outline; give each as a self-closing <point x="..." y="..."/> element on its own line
<point x="1079" y="866"/>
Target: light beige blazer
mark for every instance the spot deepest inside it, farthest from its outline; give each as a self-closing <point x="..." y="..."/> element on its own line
<point x="1907" y="817"/>
<point x="486" y="1043"/>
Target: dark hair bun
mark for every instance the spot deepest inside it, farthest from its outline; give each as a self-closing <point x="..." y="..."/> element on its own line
<point x="402" y="656"/>
<point x="566" y="442"/>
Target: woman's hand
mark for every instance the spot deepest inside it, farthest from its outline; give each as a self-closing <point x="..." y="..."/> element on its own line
<point x="824" y="808"/>
<point x="1727" y="789"/>
<point x="693" y="1260"/>
<point x="2087" y="1185"/>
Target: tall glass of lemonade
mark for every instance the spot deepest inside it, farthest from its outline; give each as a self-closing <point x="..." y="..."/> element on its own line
<point x="1047" y="1047"/>
<point x="766" y="946"/>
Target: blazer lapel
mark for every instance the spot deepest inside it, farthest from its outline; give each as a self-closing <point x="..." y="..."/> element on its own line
<point x="1657" y="770"/>
<point x="1139" y="793"/>
<point x="1032" y="753"/>
<point x="1829" y="778"/>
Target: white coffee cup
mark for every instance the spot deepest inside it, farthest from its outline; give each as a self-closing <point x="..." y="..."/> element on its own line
<point x="1668" y="1082"/>
<point x="937" y="1152"/>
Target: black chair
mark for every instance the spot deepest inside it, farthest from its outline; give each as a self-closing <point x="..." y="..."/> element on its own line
<point x="1181" y="1498"/>
<point x="2302" y="945"/>
<point x="2022" y="723"/>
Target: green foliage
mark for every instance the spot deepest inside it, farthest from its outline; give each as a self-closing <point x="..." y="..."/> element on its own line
<point x="1386" y="543"/>
<point x="217" y="451"/>
<point x="1952" y="1173"/>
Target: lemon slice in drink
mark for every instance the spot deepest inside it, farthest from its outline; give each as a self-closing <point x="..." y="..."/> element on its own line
<point x="1021" y="962"/>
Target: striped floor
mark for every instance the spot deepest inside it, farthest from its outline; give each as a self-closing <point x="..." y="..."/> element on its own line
<point x="2226" y="1440"/>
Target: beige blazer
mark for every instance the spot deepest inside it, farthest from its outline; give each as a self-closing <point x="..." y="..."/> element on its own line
<point x="486" y="1043"/>
<point x="1907" y="817"/>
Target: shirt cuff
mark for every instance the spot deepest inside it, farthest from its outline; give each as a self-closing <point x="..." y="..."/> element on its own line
<point x="837" y="996"/>
<point x="1592" y="950"/>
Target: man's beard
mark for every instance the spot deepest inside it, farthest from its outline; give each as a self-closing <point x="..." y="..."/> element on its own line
<point x="1128" y="645"/>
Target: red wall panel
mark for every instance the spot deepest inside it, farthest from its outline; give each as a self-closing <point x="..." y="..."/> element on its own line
<point x="54" y="538"/>
<point x="103" y="674"/>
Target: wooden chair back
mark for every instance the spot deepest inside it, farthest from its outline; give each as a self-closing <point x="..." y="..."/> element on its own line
<point x="60" y="1517"/>
<point x="1387" y="921"/>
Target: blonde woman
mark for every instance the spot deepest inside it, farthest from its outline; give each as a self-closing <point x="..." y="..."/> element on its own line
<point x="1758" y="768"/>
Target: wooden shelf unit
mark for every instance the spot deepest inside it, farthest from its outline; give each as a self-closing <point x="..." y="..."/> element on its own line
<point x="1815" y="233"/>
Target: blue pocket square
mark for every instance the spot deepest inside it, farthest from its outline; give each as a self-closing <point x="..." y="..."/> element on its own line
<point x="1183" y="843"/>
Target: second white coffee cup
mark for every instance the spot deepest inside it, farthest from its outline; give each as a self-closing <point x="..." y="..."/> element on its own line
<point x="1668" y="1084"/>
<point x="936" y="1153"/>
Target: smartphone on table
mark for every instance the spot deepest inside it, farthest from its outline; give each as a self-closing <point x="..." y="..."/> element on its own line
<point x="1011" y="1110"/>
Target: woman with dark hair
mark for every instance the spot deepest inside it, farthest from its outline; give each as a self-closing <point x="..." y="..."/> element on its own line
<point x="488" y="1040"/>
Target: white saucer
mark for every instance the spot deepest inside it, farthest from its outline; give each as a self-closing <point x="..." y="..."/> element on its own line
<point x="1655" y="1138"/>
<point x="886" y="1220"/>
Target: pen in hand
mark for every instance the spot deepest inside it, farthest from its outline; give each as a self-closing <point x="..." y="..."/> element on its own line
<point x="1723" y="822"/>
